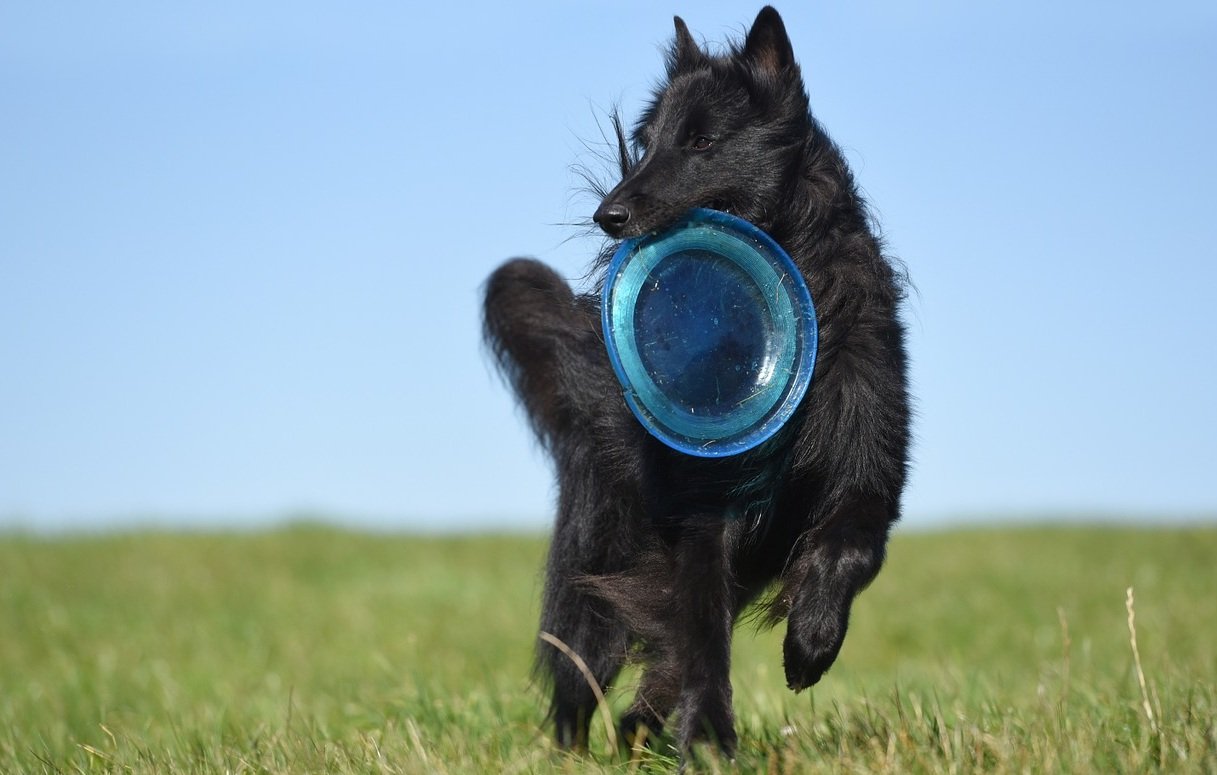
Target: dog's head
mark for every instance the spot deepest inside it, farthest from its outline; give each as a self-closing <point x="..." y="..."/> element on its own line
<point x="724" y="132"/>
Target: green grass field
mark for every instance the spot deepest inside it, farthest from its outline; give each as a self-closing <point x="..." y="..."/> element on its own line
<point x="315" y="650"/>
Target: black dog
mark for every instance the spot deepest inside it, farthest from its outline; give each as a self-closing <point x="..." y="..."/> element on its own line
<point x="656" y="553"/>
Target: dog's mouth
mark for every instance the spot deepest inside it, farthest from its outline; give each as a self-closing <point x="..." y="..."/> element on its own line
<point x="721" y="205"/>
<point x="655" y="220"/>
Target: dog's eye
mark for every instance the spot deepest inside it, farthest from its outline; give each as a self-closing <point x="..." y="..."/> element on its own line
<point x="701" y="143"/>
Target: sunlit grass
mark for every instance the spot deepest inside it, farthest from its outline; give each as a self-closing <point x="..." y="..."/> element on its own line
<point x="315" y="650"/>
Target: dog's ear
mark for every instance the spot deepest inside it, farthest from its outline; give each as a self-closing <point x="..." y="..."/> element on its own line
<point x="768" y="45"/>
<point x="685" y="54"/>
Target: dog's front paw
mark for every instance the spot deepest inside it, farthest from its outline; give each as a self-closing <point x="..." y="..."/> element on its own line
<point x="707" y="719"/>
<point x="810" y="648"/>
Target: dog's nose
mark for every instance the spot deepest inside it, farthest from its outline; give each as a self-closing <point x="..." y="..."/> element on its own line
<point x="611" y="217"/>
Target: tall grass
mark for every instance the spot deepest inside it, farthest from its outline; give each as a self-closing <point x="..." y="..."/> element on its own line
<point x="316" y="650"/>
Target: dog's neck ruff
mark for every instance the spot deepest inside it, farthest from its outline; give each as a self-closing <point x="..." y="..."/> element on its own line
<point x="711" y="331"/>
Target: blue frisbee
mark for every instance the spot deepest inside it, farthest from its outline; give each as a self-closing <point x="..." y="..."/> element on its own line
<point x="712" y="332"/>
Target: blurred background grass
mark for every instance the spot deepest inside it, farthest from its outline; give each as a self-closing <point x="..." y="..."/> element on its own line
<point x="314" y="649"/>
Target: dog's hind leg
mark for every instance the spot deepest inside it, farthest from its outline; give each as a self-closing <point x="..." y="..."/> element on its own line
<point x="548" y="344"/>
<point x="657" y="694"/>
<point x="588" y="541"/>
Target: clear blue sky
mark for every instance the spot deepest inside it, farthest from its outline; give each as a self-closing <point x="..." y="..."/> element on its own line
<point x="241" y="246"/>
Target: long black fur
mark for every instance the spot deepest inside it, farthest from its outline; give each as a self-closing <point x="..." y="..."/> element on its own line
<point x="655" y="554"/>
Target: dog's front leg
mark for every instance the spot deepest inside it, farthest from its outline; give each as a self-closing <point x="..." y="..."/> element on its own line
<point x="703" y="585"/>
<point x="834" y="561"/>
